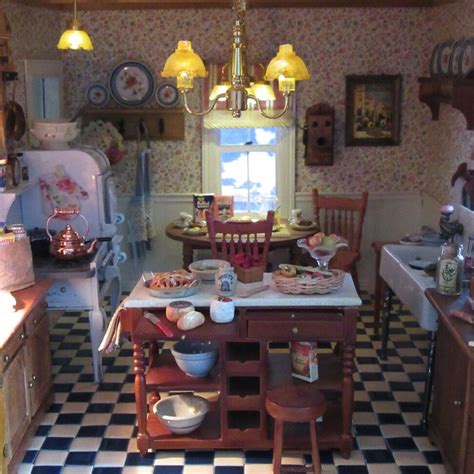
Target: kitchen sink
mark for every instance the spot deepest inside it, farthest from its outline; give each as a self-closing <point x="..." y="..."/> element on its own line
<point x="410" y="284"/>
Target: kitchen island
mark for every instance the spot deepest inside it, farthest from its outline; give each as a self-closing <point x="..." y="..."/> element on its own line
<point x="246" y="367"/>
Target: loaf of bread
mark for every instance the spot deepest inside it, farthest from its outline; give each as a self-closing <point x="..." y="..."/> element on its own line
<point x="190" y="320"/>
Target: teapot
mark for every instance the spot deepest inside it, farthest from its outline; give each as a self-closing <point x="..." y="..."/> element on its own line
<point x="68" y="244"/>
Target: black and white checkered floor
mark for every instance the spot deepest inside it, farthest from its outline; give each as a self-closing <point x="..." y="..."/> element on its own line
<point x="91" y="428"/>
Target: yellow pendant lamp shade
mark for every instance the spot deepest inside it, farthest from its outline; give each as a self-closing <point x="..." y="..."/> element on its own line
<point x="185" y="65"/>
<point x="287" y="67"/>
<point x="263" y="91"/>
<point x="75" y="37"/>
<point x="218" y="89"/>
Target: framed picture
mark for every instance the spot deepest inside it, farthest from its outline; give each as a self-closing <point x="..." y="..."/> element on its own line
<point x="373" y="110"/>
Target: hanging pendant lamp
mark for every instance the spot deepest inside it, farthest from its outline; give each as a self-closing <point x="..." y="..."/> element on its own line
<point x="74" y="37"/>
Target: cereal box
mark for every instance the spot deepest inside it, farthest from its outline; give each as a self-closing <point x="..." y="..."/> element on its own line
<point x="304" y="361"/>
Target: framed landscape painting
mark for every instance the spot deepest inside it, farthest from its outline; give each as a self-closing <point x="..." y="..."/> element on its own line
<point x="373" y="110"/>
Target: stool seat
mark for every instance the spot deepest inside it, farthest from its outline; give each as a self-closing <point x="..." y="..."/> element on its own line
<point x="295" y="403"/>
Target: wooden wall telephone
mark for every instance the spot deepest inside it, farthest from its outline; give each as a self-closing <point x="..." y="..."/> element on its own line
<point x="318" y="135"/>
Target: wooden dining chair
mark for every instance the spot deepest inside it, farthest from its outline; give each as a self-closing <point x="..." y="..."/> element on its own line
<point x="240" y="237"/>
<point x="344" y="217"/>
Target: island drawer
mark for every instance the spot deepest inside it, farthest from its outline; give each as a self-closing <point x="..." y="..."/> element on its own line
<point x="294" y="329"/>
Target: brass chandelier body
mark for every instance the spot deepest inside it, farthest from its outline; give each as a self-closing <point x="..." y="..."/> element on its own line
<point x="286" y="67"/>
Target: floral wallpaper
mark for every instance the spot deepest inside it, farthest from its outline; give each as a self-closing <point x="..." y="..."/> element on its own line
<point x="448" y="141"/>
<point x="35" y="32"/>
<point x="333" y="42"/>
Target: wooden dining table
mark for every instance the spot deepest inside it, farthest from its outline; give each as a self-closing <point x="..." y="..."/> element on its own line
<point x="284" y="237"/>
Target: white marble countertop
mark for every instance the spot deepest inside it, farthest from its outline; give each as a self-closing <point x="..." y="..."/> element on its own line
<point x="346" y="296"/>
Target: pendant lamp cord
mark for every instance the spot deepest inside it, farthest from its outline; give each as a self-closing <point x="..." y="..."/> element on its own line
<point x="75" y="9"/>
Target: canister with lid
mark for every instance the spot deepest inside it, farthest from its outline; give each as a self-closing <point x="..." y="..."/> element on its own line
<point x="19" y="231"/>
<point x="450" y="269"/>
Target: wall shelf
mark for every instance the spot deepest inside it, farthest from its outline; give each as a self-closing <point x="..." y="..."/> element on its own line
<point x="459" y="93"/>
<point x="162" y="123"/>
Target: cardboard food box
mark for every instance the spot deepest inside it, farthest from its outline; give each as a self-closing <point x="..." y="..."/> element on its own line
<point x="201" y="203"/>
<point x="223" y="207"/>
<point x="249" y="275"/>
<point x="304" y="361"/>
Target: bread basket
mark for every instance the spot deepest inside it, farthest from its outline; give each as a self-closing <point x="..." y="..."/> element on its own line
<point x="307" y="285"/>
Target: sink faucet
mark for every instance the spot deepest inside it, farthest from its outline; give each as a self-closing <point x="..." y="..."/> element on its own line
<point x="448" y="228"/>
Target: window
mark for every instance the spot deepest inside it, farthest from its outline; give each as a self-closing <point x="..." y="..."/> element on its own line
<point x="255" y="165"/>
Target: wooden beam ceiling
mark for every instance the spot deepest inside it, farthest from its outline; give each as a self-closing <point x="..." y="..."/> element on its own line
<point x="157" y="4"/>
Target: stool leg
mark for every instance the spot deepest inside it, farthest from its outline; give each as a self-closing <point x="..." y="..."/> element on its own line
<point x="277" y="446"/>
<point x="315" y="448"/>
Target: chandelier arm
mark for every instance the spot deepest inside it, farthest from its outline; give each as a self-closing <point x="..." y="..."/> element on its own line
<point x="278" y="115"/>
<point x="212" y="104"/>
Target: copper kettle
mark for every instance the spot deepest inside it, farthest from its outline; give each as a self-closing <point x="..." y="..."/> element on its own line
<point x="68" y="244"/>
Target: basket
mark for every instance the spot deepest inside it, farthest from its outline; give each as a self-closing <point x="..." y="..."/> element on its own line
<point x="308" y="285"/>
<point x="249" y="275"/>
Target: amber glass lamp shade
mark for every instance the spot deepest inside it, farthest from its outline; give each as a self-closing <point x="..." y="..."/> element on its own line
<point x="75" y="37"/>
<point x="218" y="89"/>
<point x="262" y="91"/>
<point x="287" y="67"/>
<point x="184" y="64"/>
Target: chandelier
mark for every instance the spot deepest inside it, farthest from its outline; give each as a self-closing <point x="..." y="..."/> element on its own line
<point x="286" y="67"/>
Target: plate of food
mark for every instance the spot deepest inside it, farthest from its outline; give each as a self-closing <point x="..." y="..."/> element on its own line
<point x="206" y="269"/>
<point x="174" y="284"/>
<point x="414" y="239"/>
<point x="303" y="225"/>
<point x="195" y="230"/>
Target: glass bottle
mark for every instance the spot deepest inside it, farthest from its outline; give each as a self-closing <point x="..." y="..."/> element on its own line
<point x="450" y="269"/>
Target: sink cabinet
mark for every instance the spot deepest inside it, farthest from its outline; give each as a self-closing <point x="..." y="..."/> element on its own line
<point x="25" y="374"/>
<point x="452" y="421"/>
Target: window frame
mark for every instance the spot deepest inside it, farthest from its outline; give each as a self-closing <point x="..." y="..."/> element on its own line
<point x="285" y="163"/>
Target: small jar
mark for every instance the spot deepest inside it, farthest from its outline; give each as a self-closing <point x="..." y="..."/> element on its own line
<point x="19" y="231"/>
<point x="450" y="269"/>
<point x="226" y="281"/>
<point x="222" y="309"/>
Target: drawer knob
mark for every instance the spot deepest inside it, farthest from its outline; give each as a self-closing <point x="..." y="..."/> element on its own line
<point x="295" y="330"/>
<point x="33" y="377"/>
<point x="6" y="358"/>
<point x="30" y="384"/>
<point x="22" y="336"/>
<point x="292" y="315"/>
<point x="457" y="403"/>
<point x="35" y="322"/>
<point x="63" y="289"/>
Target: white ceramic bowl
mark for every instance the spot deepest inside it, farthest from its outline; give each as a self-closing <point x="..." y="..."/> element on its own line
<point x="195" y="358"/>
<point x="55" y="134"/>
<point x="181" y="414"/>
<point x="206" y="270"/>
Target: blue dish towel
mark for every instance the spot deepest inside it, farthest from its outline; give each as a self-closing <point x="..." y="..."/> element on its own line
<point x="140" y="209"/>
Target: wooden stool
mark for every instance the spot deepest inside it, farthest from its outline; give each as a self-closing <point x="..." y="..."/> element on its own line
<point x="296" y="404"/>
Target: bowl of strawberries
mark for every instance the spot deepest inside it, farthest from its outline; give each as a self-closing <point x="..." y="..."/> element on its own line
<point x="322" y="247"/>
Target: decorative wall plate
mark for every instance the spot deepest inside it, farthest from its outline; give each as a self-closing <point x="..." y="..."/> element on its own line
<point x="454" y="61"/>
<point x="167" y="95"/>
<point x="434" y="66"/>
<point x="466" y="58"/>
<point x="97" y="95"/>
<point x="444" y="57"/>
<point x="131" y="84"/>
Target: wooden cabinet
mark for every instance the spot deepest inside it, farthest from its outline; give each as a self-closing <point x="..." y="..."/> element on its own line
<point x="16" y="406"/>
<point x="452" y="421"/>
<point x="26" y="377"/>
<point x="242" y="376"/>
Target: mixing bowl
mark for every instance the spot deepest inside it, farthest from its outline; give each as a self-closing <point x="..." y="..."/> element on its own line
<point x="181" y="414"/>
<point x="195" y="358"/>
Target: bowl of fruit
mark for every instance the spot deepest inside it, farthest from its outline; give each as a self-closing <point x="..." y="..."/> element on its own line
<point x="322" y="247"/>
